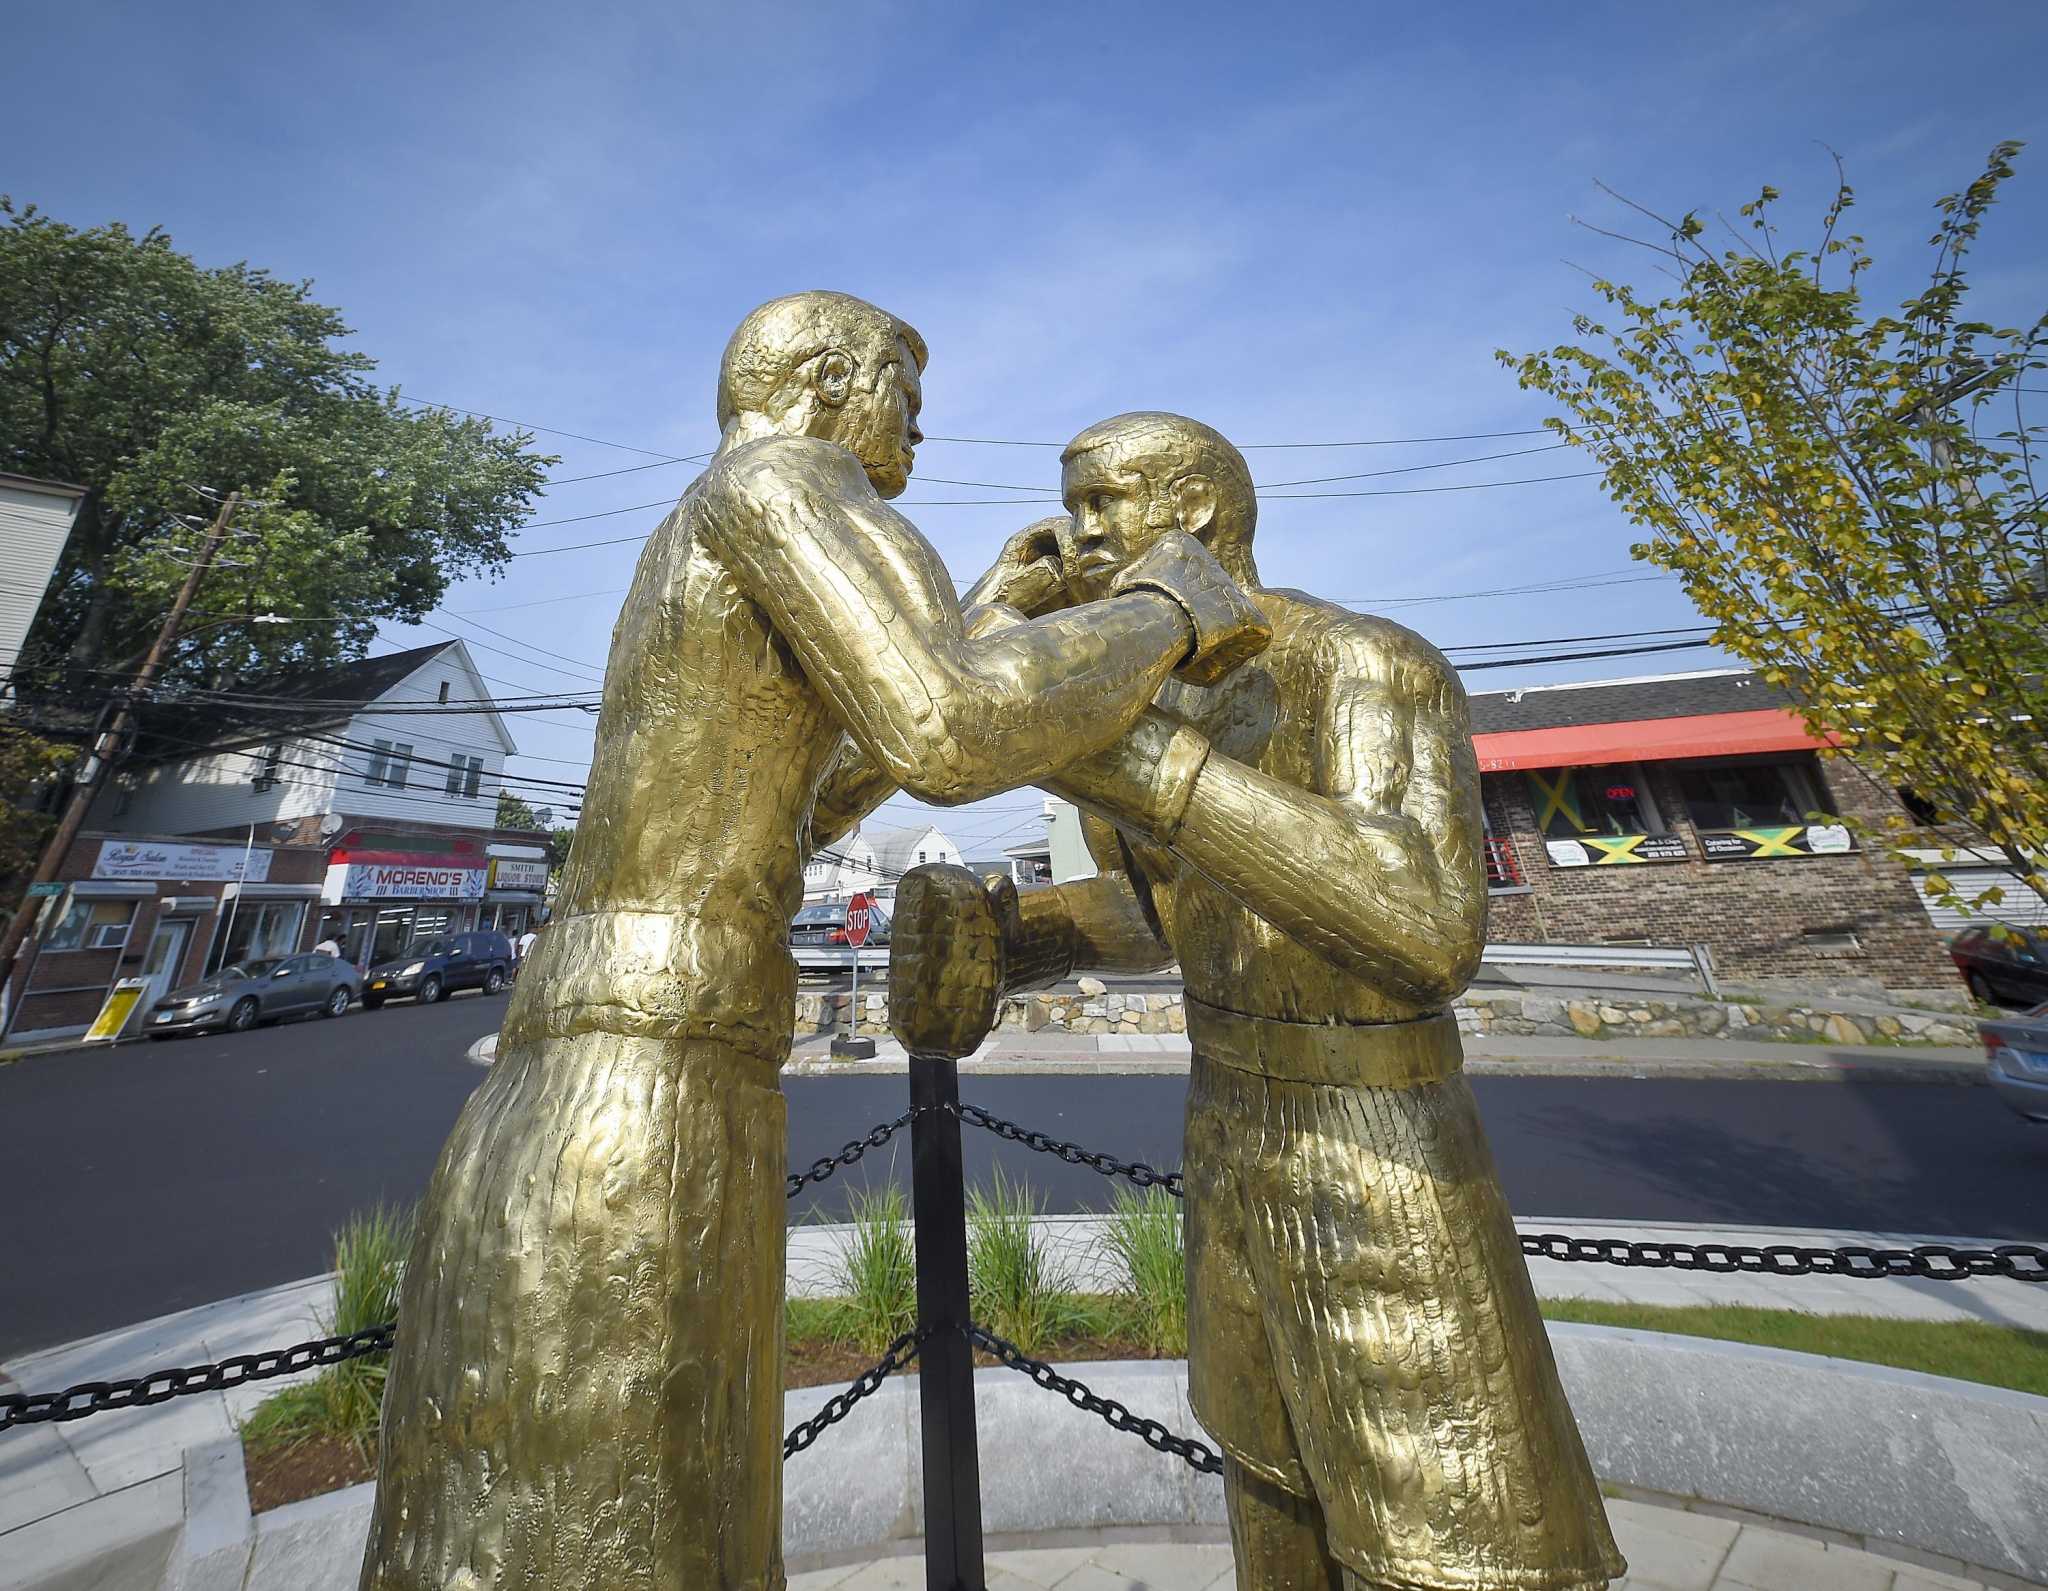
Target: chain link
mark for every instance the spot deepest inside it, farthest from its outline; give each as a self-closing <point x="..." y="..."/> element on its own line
<point x="1073" y="1154"/>
<point x="1936" y="1262"/>
<point x="830" y="1165"/>
<point x="1194" y="1454"/>
<point x="840" y="1404"/>
<point x="92" y="1397"/>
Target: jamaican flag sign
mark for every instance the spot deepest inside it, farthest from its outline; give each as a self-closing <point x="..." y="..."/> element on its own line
<point x="1767" y="844"/>
<point x="1608" y="850"/>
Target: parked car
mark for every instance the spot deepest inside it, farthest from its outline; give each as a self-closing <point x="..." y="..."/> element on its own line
<point x="433" y="968"/>
<point x="2002" y="965"/>
<point x="244" y="993"/>
<point x="817" y="936"/>
<point x="2016" y="1051"/>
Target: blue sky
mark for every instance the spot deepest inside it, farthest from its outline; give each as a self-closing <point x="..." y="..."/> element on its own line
<point x="1302" y="224"/>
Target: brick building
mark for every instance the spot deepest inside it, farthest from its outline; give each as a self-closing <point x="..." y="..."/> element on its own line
<point x="165" y="909"/>
<point x="1677" y="810"/>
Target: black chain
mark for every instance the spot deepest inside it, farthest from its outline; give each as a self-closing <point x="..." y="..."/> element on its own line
<point x="831" y="1164"/>
<point x="1073" y="1154"/>
<point x="840" y="1404"/>
<point x="91" y="1397"/>
<point x="1194" y="1454"/>
<point x="1935" y="1262"/>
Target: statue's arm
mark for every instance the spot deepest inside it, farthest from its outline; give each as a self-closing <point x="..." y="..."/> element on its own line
<point x="855" y="784"/>
<point x="1379" y="868"/>
<point x="1089" y="925"/>
<point x="868" y="609"/>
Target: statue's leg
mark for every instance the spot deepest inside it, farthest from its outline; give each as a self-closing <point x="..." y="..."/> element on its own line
<point x="587" y="1384"/>
<point x="1276" y="1537"/>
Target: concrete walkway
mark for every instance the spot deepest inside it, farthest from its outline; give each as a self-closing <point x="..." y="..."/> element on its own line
<point x="1668" y="1549"/>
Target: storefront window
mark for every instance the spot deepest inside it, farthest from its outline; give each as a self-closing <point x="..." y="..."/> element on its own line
<point x="92" y="925"/>
<point x="1572" y="803"/>
<point x="1747" y="795"/>
<point x="257" y="930"/>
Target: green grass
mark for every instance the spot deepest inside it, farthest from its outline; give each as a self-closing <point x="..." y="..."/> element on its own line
<point x="345" y="1399"/>
<point x="1145" y="1233"/>
<point x="1969" y="1350"/>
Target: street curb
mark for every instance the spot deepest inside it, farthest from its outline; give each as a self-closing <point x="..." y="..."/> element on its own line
<point x="1936" y="1472"/>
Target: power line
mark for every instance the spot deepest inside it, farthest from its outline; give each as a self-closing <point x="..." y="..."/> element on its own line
<point x="499" y="419"/>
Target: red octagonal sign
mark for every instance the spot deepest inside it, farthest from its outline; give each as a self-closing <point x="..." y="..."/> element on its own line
<point x="859" y="913"/>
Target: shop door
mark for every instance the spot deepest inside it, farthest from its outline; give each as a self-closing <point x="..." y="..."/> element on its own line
<point x="166" y="956"/>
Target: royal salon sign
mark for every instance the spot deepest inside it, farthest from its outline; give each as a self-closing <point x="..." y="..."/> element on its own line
<point x="187" y="863"/>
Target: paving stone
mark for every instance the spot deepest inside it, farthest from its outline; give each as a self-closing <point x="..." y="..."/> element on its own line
<point x="1668" y="1550"/>
<point x="1769" y="1560"/>
<point x="1933" y="1580"/>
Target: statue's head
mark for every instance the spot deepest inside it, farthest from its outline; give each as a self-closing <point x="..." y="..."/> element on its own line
<point x="1128" y="481"/>
<point x="833" y="366"/>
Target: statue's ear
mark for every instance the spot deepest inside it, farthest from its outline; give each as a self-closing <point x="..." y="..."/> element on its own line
<point x="832" y="378"/>
<point x="1194" y="502"/>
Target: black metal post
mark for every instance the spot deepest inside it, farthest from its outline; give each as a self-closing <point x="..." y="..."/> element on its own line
<point x="952" y="1456"/>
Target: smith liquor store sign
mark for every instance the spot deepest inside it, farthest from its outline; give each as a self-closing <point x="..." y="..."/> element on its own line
<point x="401" y="881"/>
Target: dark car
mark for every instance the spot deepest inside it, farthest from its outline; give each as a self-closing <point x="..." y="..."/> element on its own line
<point x="817" y="935"/>
<point x="2002" y="965"/>
<point x="244" y="993"/>
<point x="2016" y="1055"/>
<point x="436" y="967"/>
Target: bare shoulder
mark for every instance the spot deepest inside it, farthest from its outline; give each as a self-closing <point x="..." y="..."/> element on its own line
<point x="1358" y="648"/>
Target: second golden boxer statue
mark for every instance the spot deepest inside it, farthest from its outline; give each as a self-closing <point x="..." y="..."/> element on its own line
<point x="1304" y="837"/>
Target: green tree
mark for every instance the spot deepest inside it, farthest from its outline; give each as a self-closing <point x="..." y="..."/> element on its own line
<point x="1850" y="497"/>
<point x="26" y="762"/>
<point x="130" y="370"/>
<point x="515" y="813"/>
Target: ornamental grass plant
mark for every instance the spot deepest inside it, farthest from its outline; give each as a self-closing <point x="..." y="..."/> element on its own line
<point x="876" y="1271"/>
<point x="1144" y="1232"/>
<point x="1017" y="1287"/>
<point x="345" y="1400"/>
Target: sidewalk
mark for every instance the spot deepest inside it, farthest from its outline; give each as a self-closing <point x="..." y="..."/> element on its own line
<point x="1668" y="1549"/>
<point x="1012" y="1050"/>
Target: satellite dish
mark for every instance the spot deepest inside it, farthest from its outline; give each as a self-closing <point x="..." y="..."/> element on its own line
<point x="330" y="824"/>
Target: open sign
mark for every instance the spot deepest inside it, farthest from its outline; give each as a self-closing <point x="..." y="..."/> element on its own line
<point x="860" y="913"/>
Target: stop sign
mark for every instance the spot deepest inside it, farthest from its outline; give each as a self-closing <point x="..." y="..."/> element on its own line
<point x="859" y="913"/>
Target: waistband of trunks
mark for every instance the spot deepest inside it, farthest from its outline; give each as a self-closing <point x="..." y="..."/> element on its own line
<point x="1353" y="1055"/>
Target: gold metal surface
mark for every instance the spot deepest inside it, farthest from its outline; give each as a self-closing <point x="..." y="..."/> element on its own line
<point x="586" y="1389"/>
<point x="1305" y="838"/>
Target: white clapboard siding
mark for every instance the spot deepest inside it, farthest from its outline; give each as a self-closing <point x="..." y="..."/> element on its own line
<point x="2021" y="906"/>
<point x="314" y="774"/>
<point x="35" y="522"/>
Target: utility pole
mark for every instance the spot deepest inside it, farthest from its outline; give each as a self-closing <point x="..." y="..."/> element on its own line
<point x="86" y="786"/>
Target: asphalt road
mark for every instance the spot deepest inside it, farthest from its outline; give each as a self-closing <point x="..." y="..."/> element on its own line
<point x="156" y="1177"/>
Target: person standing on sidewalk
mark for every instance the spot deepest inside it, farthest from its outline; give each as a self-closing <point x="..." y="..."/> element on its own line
<point x="1305" y="839"/>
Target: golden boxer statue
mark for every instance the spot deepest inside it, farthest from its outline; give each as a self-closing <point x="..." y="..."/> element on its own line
<point x="587" y="1385"/>
<point x="1305" y="838"/>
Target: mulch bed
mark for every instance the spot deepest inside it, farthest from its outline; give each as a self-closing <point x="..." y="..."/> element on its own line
<point x="290" y="1473"/>
<point x="283" y="1474"/>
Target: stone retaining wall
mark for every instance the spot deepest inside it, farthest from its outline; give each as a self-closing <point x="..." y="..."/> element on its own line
<point x="1096" y="1009"/>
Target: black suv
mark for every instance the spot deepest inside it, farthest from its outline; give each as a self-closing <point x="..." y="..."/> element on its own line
<point x="436" y="967"/>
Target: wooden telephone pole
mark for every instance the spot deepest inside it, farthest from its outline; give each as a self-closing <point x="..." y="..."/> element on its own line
<point x="104" y="750"/>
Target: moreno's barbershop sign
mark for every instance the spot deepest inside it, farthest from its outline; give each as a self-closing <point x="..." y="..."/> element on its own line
<point x="402" y="881"/>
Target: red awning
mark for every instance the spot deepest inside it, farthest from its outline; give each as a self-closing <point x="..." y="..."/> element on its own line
<point x="1646" y="740"/>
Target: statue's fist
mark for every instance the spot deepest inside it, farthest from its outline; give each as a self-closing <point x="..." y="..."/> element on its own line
<point x="946" y="952"/>
<point x="1229" y="629"/>
<point x="1027" y="574"/>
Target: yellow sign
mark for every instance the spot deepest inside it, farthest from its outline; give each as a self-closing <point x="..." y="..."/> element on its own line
<point x="122" y="1000"/>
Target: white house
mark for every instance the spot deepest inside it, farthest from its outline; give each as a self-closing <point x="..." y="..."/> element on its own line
<point x="874" y="859"/>
<point x="35" y="522"/>
<point x="344" y="757"/>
